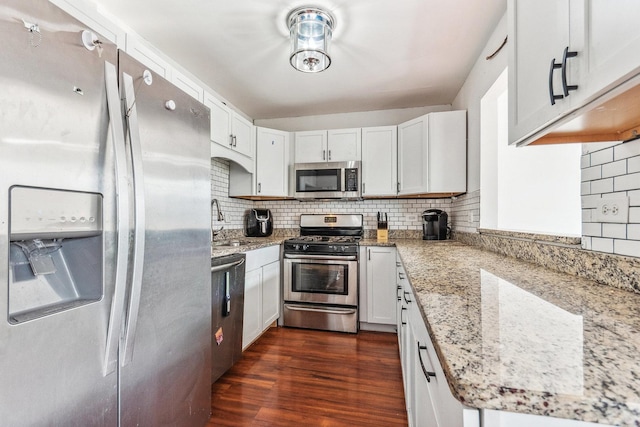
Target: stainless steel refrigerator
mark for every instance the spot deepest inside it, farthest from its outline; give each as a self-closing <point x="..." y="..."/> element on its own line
<point x="104" y="233"/>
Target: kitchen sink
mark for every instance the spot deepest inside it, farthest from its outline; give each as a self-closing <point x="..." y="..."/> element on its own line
<point x="230" y="243"/>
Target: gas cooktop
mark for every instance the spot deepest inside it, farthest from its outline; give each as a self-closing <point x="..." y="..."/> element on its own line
<point x="324" y="239"/>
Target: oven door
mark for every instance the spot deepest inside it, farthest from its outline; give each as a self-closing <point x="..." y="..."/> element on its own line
<point x="321" y="279"/>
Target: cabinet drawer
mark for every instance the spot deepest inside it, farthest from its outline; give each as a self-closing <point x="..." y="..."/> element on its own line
<point x="263" y="256"/>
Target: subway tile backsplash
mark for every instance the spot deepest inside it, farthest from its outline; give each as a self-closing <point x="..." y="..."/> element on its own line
<point x="405" y="215"/>
<point x="611" y="171"/>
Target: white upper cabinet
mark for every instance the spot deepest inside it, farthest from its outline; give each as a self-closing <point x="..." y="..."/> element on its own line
<point x="344" y="145"/>
<point x="310" y="146"/>
<point x="612" y="38"/>
<point x="187" y="85"/>
<point x="379" y="161"/>
<point x="87" y="13"/>
<point x="567" y="57"/>
<point x="432" y="155"/>
<point x="539" y="33"/>
<point x="142" y="51"/>
<point x="272" y="163"/>
<point x="328" y="146"/>
<point x="232" y="135"/>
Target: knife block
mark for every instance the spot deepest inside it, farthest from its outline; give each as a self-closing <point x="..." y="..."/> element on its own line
<point x="383" y="235"/>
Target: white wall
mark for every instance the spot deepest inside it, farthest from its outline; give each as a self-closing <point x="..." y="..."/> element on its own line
<point x="482" y="76"/>
<point x="533" y="189"/>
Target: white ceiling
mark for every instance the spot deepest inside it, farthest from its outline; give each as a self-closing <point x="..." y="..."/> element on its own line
<point x="386" y="54"/>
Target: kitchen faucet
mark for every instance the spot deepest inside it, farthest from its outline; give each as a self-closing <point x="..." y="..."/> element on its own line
<point x="214" y="233"/>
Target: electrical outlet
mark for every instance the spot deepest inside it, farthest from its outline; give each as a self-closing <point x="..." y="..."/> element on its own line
<point x="612" y="210"/>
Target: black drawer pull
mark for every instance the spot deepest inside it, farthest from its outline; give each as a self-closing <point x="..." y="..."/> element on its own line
<point x="566" y="88"/>
<point x="553" y="96"/>
<point x="427" y="374"/>
<point x="405" y="297"/>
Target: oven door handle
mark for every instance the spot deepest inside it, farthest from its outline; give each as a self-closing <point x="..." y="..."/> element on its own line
<point x="327" y="257"/>
<point x="332" y="310"/>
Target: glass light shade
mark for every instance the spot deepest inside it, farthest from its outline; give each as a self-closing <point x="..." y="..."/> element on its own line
<point x="310" y="30"/>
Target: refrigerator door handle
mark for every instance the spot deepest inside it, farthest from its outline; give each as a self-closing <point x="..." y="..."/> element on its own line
<point x="139" y="220"/>
<point x="122" y="220"/>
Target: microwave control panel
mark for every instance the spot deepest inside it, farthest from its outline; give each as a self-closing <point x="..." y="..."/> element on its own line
<point x="351" y="179"/>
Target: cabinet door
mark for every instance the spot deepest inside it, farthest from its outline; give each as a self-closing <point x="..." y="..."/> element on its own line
<point x="344" y="145"/>
<point x="447" y="170"/>
<point x="538" y="33"/>
<point x="311" y="146"/>
<point x="612" y="41"/>
<point x="90" y="16"/>
<point x="424" y="407"/>
<point x="270" y="294"/>
<point x="220" y="121"/>
<point x="407" y="360"/>
<point x="380" y="161"/>
<point x="142" y="51"/>
<point x="272" y="162"/>
<point x="243" y="136"/>
<point x="187" y="85"/>
<point x="413" y="156"/>
<point x="252" y="320"/>
<point x="381" y="282"/>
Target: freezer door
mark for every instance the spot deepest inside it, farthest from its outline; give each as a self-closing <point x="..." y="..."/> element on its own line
<point x="165" y="356"/>
<point x="55" y="141"/>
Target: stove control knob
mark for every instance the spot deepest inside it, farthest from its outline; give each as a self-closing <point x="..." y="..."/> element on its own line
<point x="305" y="247"/>
<point x="296" y="247"/>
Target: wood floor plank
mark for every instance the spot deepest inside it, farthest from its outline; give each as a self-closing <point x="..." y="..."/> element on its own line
<point x="297" y="377"/>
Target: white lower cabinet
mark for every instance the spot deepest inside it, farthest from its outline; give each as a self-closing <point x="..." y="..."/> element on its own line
<point x="434" y="404"/>
<point x="377" y="299"/>
<point x="381" y="285"/>
<point x="261" y="292"/>
<point x="270" y="294"/>
<point x="428" y="398"/>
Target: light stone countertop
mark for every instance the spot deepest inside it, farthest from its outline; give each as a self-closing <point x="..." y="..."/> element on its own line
<point x="253" y="243"/>
<point x="518" y="337"/>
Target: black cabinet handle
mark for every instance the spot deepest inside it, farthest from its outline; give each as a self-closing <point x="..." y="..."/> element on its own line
<point x="405" y="297"/>
<point x="553" y="96"/>
<point x="567" y="54"/>
<point x="401" y="322"/>
<point x="427" y="374"/>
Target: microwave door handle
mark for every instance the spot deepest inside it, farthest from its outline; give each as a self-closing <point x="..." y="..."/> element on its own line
<point x="122" y="220"/>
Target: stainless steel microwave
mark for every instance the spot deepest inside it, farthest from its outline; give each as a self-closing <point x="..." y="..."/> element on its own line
<point x="327" y="180"/>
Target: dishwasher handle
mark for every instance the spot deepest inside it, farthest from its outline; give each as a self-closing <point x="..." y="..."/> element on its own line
<point x="226" y="266"/>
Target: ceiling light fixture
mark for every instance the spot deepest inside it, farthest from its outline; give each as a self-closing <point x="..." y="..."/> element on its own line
<point x="310" y="29"/>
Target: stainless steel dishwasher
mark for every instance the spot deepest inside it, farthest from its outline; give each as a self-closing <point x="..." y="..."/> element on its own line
<point x="227" y="307"/>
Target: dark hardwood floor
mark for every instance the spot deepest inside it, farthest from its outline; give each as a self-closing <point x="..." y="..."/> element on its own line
<point x="297" y="377"/>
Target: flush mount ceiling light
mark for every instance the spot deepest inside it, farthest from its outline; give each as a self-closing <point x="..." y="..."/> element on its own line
<point x="310" y="29"/>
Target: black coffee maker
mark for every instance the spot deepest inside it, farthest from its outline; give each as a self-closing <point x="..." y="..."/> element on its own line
<point x="434" y="224"/>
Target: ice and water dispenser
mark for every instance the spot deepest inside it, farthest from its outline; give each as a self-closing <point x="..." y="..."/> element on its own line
<point x="56" y="251"/>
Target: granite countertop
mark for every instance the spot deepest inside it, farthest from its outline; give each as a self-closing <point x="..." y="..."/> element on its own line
<point x="252" y="243"/>
<point x="514" y="336"/>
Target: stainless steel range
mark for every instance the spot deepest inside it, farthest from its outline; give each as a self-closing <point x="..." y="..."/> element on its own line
<point x="321" y="273"/>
